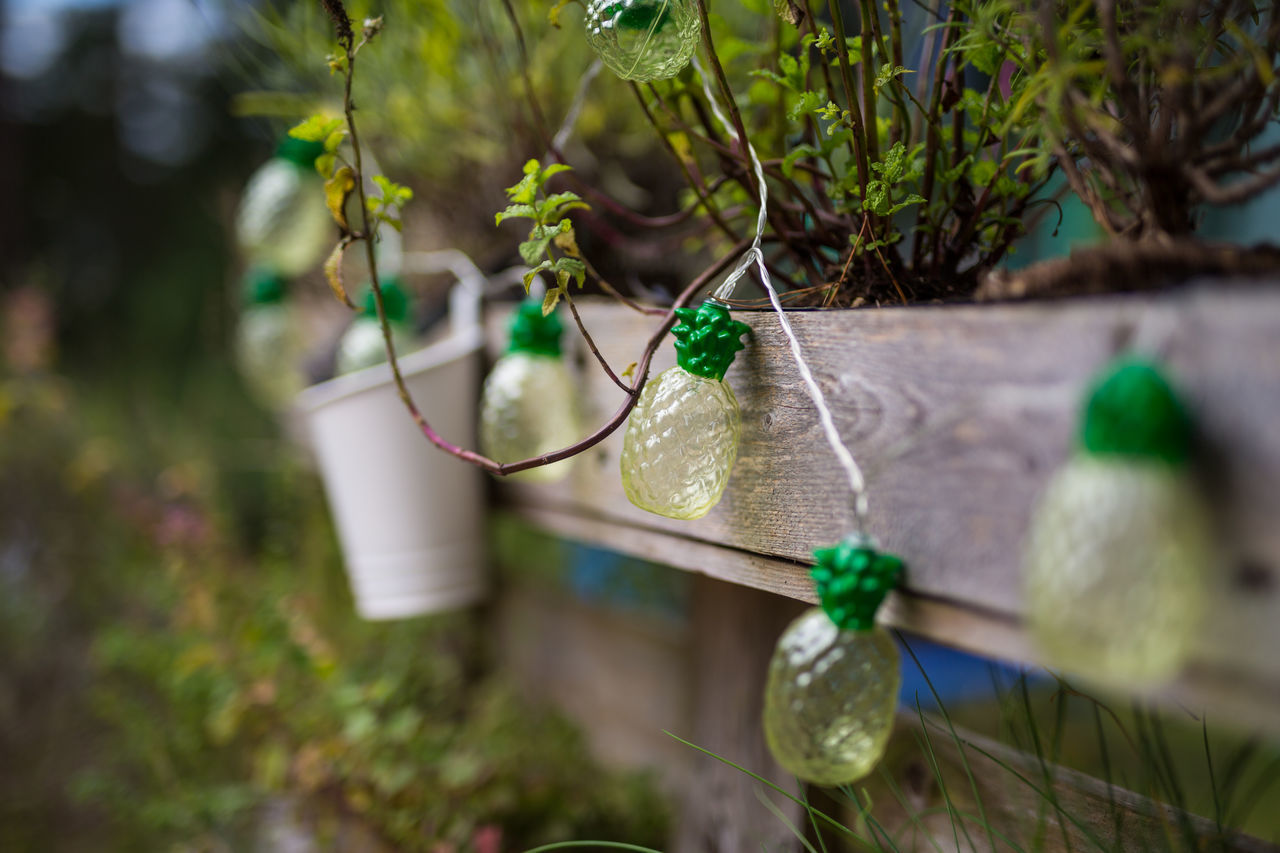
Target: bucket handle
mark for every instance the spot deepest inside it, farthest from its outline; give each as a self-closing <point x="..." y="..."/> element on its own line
<point x="464" y="298"/>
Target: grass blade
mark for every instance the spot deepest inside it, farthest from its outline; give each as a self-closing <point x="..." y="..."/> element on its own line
<point x="784" y="792"/>
<point x="964" y="762"/>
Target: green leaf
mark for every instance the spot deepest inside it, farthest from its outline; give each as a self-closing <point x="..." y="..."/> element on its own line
<point x="807" y="102"/>
<point x="316" y="128"/>
<point x="393" y="193"/>
<point x="558" y="204"/>
<point x="889" y="72"/>
<point x="550" y="301"/>
<point x="571" y="267"/>
<point x="789" y="161"/>
<point x="553" y="170"/>
<point x="325" y="164"/>
<point x="514" y="211"/>
<point x="982" y="172"/>
<point x="532" y="250"/>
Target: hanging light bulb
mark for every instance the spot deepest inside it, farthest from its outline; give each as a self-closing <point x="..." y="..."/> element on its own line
<point x="362" y="345"/>
<point x="643" y="40"/>
<point x="267" y="344"/>
<point x="282" y="222"/>
<point x="528" y="406"/>
<point x="832" y="687"/>
<point x="1119" y="546"/>
<point x="682" y="437"/>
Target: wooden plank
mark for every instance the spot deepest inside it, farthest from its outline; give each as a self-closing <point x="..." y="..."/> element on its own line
<point x="732" y="630"/>
<point x="958" y="415"/>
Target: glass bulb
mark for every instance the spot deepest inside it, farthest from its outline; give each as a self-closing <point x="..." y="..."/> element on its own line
<point x="362" y="344"/>
<point x="643" y="40"/>
<point x="267" y="350"/>
<point x="830" y="699"/>
<point x="680" y="444"/>
<point x="283" y="222"/>
<point x="528" y="408"/>
<point x="1115" y="564"/>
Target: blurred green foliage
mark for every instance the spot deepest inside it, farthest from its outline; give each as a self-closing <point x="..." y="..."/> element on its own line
<point x="166" y="671"/>
<point x="440" y="91"/>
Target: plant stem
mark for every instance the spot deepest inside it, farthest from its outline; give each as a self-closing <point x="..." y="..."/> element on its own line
<point x="859" y="139"/>
<point x="591" y="344"/>
<point x="725" y="92"/>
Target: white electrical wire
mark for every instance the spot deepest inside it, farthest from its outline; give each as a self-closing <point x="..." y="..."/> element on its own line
<point x="857" y="483"/>
<point x="575" y="108"/>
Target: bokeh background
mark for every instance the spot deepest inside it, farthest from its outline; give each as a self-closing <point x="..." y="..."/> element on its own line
<point x="180" y="665"/>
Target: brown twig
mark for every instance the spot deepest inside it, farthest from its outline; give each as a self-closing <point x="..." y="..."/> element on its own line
<point x="591" y="345"/>
<point x="477" y="459"/>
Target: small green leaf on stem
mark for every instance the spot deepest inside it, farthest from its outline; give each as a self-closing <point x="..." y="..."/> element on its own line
<point x="316" y="128"/>
<point x="550" y="301"/>
<point x="630" y="371"/>
<point x="567" y="242"/>
<point x="514" y="211"/>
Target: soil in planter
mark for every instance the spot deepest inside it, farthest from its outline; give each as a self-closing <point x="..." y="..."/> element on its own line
<point x="1118" y="267"/>
<point x="1123" y="267"/>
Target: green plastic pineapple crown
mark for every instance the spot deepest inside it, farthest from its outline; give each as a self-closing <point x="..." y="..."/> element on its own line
<point x="300" y="152"/>
<point x="394" y="301"/>
<point x="640" y="15"/>
<point x="263" y="287"/>
<point x="1133" y="411"/>
<point x="707" y="339"/>
<point x="852" y="579"/>
<point x="533" y="333"/>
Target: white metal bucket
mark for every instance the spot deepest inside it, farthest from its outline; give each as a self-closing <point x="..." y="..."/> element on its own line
<point x="409" y="515"/>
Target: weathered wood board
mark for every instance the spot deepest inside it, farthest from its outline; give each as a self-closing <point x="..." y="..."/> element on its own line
<point x="958" y="415"/>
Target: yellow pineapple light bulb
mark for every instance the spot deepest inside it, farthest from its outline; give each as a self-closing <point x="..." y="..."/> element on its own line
<point x="362" y="344"/>
<point x="682" y="437"/>
<point x="267" y="343"/>
<point x="643" y="40"/>
<point x="528" y="406"/>
<point x="1119" y="546"/>
<point x="833" y="683"/>
<point x="282" y="222"/>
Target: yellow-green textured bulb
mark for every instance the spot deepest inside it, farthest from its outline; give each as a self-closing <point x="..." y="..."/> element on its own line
<point x="682" y="438"/>
<point x="268" y="346"/>
<point x="282" y="222"/>
<point x="528" y="406"/>
<point x="643" y="40"/>
<point x="363" y="345"/>
<point x="1119" y="547"/>
<point x="832" y="688"/>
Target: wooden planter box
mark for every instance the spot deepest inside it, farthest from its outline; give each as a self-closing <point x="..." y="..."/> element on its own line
<point x="958" y="415"/>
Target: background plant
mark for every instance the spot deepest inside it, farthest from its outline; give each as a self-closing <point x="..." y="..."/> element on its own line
<point x="1151" y="108"/>
<point x="178" y="652"/>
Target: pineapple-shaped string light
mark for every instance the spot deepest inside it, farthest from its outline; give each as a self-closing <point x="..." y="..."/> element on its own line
<point x="643" y="40"/>
<point x="528" y="406"/>
<point x="682" y="438"/>
<point x="282" y="222"/>
<point x="267" y="342"/>
<point x="362" y="345"/>
<point x="833" y="682"/>
<point x="1119" y="547"/>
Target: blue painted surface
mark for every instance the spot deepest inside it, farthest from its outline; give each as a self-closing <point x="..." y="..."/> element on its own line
<point x="958" y="677"/>
<point x="608" y="579"/>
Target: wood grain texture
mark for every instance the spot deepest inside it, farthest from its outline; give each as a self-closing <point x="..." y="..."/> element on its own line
<point x="958" y="415"/>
